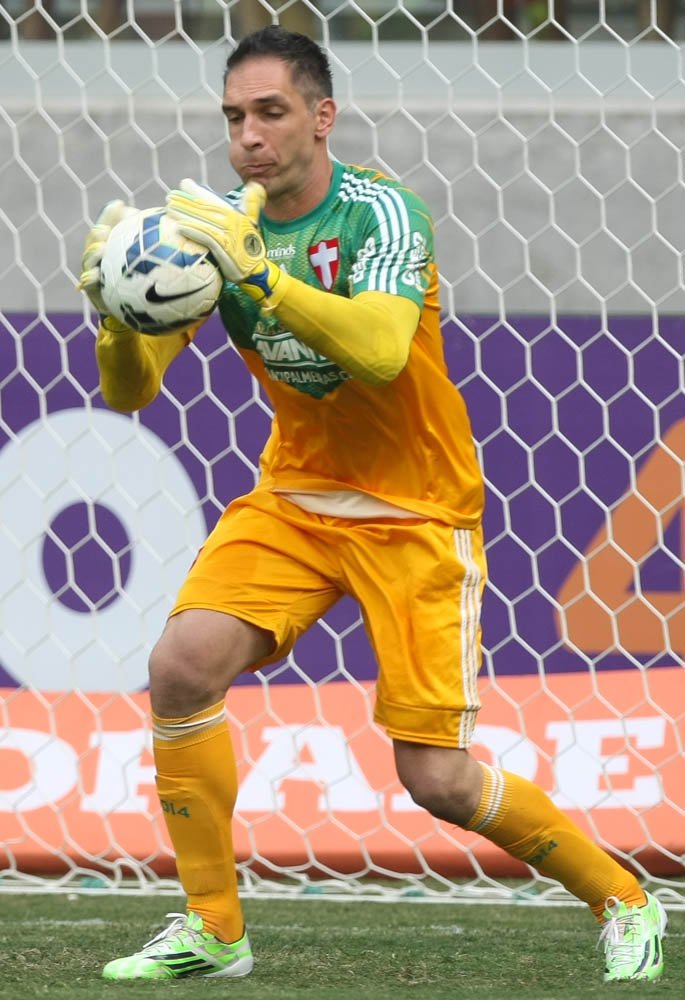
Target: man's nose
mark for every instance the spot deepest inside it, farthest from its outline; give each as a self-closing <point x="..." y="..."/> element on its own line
<point x="251" y="135"/>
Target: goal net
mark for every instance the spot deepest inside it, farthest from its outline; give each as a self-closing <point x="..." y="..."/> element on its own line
<point x="550" y="153"/>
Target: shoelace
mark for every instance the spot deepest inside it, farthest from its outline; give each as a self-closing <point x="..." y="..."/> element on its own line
<point x="178" y="923"/>
<point x="617" y="929"/>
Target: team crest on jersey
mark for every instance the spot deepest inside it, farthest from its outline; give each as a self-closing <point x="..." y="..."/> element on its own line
<point x="325" y="259"/>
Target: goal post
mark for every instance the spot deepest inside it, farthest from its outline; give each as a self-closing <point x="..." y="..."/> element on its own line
<point x="553" y="172"/>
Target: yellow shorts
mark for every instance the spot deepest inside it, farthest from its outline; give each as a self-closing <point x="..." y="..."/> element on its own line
<point x="419" y="585"/>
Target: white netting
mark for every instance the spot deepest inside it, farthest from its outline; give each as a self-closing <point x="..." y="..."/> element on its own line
<point x="547" y="140"/>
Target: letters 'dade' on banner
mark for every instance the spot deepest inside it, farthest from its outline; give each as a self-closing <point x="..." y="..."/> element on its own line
<point x="584" y="616"/>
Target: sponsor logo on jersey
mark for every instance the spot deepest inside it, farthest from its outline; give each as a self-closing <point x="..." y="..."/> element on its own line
<point x="288" y="360"/>
<point x="277" y="253"/>
<point x="364" y="256"/>
<point x="325" y="259"/>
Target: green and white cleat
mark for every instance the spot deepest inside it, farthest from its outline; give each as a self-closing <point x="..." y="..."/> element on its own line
<point x="632" y="940"/>
<point x="184" y="949"/>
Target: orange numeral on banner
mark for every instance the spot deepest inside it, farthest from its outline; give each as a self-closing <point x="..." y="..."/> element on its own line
<point x="603" y="606"/>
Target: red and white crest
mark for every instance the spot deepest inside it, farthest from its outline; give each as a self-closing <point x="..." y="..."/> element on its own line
<point x="325" y="258"/>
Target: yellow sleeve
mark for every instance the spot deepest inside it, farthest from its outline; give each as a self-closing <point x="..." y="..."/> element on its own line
<point x="368" y="336"/>
<point x="132" y="365"/>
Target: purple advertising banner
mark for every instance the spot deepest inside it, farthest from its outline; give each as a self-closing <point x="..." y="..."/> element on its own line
<point x="565" y="415"/>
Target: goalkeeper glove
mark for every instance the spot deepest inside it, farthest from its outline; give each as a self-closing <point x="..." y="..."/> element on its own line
<point x="232" y="236"/>
<point x="112" y="213"/>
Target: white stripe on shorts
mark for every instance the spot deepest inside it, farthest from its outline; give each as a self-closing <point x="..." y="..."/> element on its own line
<point x="469" y="641"/>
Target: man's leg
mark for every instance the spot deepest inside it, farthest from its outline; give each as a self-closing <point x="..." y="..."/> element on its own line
<point x="519" y="817"/>
<point x="516" y="815"/>
<point x="196" y="774"/>
<point x="260" y="565"/>
<point x="198" y="656"/>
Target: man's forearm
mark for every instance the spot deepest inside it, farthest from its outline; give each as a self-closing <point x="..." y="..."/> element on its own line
<point x="368" y="336"/>
<point x="131" y="365"/>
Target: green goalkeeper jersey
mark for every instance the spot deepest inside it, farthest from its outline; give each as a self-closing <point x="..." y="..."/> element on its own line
<point x="408" y="442"/>
<point x="369" y="234"/>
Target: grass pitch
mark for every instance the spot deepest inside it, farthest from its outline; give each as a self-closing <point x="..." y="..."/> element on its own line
<point x="54" y="946"/>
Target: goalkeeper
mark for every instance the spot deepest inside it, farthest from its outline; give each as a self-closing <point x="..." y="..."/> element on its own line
<point x="369" y="486"/>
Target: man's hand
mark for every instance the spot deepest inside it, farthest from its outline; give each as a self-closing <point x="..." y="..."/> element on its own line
<point x="112" y="213"/>
<point x="232" y="236"/>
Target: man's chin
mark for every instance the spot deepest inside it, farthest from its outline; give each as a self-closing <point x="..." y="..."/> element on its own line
<point x="263" y="177"/>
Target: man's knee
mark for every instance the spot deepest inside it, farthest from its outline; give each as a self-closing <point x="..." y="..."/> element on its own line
<point x="446" y="783"/>
<point x="197" y="658"/>
<point x="175" y="670"/>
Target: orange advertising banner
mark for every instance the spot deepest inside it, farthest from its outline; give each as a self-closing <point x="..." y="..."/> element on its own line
<point x="318" y="787"/>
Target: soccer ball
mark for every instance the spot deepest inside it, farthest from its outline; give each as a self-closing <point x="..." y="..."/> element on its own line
<point x="153" y="278"/>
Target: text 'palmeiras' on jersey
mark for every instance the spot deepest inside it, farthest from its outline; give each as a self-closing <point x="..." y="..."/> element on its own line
<point x="286" y="359"/>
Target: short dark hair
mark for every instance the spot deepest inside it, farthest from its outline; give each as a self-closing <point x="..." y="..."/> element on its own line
<point x="308" y="62"/>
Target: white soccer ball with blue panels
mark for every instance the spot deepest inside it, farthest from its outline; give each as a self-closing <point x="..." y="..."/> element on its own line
<point x="153" y="278"/>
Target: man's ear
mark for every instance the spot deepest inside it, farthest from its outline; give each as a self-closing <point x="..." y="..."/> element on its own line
<point x="325" y="113"/>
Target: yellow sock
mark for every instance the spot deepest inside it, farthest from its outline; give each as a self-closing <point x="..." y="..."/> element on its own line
<point x="521" y="819"/>
<point x="197" y="785"/>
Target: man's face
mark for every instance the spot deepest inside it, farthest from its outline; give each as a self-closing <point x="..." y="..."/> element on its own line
<point x="275" y="132"/>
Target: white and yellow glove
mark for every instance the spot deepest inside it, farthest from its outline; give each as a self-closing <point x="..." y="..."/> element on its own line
<point x="112" y="213"/>
<point x="232" y="236"/>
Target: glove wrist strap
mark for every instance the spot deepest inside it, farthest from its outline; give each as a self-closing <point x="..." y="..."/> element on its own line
<point x="273" y="279"/>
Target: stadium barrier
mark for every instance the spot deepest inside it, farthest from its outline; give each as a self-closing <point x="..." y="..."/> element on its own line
<point x="318" y="789"/>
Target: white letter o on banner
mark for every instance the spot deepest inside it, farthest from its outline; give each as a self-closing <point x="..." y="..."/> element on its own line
<point x="98" y="457"/>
